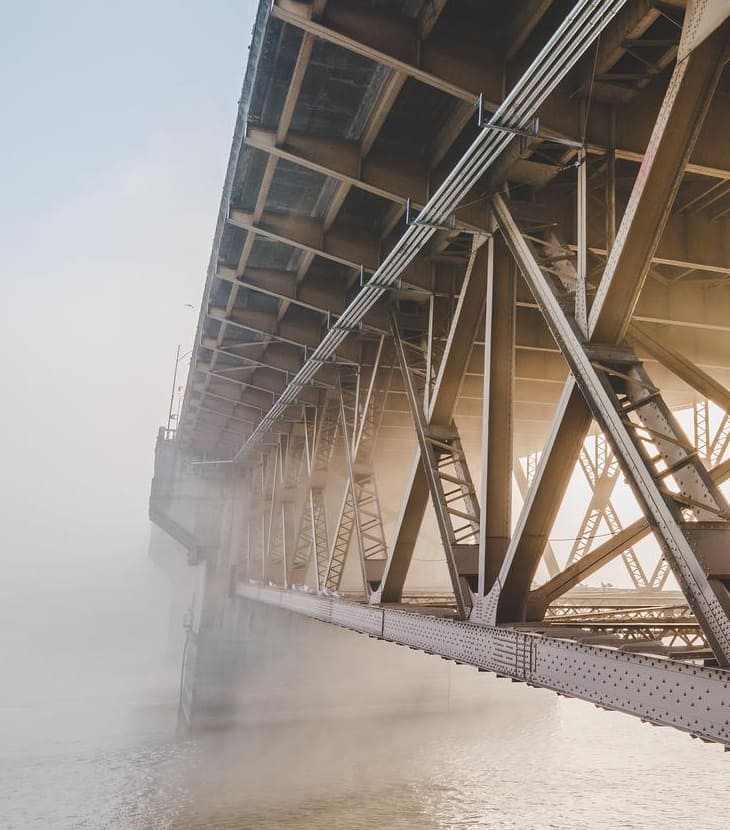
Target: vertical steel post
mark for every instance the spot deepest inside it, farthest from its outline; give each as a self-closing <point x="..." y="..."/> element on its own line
<point x="581" y="288"/>
<point x="497" y="406"/>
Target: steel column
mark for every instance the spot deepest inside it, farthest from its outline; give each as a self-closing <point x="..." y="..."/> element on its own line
<point x="497" y="427"/>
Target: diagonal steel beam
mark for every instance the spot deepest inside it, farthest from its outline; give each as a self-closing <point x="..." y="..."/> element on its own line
<point x="523" y="485"/>
<point x="463" y="331"/>
<point x="595" y="559"/>
<point x="675" y="133"/>
<point x="681" y="366"/>
<point x="690" y="552"/>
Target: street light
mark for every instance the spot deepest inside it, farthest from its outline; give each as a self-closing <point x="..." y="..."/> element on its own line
<point x="178" y="358"/>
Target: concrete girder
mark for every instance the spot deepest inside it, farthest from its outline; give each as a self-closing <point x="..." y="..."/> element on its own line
<point x="595" y="15"/>
<point x="254" y="397"/>
<point x="215" y="408"/>
<point x="305" y="51"/>
<point x="264" y="323"/>
<point x="282" y="357"/>
<point x="310" y="42"/>
<point x="527" y="16"/>
<point x="352" y="249"/>
<point x="450" y="65"/>
<point x="286" y="364"/>
<point x="559" y="114"/>
<point x="394" y="177"/>
<point x="387" y="97"/>
<point x="315" y="294"/>
<point x="264" y="380"/>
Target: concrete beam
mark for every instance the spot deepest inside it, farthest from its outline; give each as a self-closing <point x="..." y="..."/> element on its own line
<point x="395" y="177"/>
<point x="453" y="65"/>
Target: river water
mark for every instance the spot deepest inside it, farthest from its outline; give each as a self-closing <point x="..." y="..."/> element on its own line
<point x="514" y="758"/>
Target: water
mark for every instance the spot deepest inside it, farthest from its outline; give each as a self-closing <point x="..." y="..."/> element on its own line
<point x="521" y="758"/>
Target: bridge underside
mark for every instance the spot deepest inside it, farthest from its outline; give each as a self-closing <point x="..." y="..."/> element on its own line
<point x="464" y="349"/>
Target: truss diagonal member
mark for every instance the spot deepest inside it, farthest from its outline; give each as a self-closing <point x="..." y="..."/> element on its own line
<point x="596" y="558"/>
<point x="320" y="433"/>
<point x="721" y="441"/>
<point x="448" y="480"/>
<point x="674" y="135"/>
<point x="361" y="403"/>
<point x="677" y="363"/>
<point x="602" y="476"/>
<point x="694" y="552"/>
<point x="463" y="331"/>
<point x="523" y="485"/>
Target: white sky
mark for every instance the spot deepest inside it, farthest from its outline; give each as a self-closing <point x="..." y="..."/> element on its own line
<point x="116" y="126"/>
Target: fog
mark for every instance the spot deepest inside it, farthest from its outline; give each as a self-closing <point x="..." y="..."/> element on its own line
<point x="117" y="121"/>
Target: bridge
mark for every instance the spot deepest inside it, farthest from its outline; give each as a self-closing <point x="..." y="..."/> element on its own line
<point x="470" y="282"/>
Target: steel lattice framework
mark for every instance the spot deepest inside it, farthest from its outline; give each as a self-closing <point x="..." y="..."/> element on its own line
<point x="463" y="247"/>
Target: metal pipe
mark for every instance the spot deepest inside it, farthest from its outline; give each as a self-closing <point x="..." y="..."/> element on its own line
<point x="570" y="41"/>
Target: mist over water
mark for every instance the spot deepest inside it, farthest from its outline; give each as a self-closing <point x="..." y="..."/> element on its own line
<point x="119" y="120"/>
<point x="498" y="755"/>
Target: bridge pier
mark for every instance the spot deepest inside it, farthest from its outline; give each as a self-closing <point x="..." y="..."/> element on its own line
<point x="247" y="663"/>
<point x="268" y="665"/>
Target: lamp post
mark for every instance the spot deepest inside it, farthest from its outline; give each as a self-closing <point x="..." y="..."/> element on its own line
<point x="178" y="358"/>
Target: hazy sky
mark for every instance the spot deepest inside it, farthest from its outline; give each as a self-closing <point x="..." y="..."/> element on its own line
<point x="117" y="120"/>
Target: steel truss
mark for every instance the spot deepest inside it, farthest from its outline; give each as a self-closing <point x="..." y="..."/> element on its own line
<point x="256" y="524"/>
<point x="288" y="476"/>
<point x="361" y="405"/>
<point x="687" y="510"/>
<point x="608" y="655"/>
<point x="320" y="434"/>
<point x="601" y="472"/>
<point x="443" y="460"/>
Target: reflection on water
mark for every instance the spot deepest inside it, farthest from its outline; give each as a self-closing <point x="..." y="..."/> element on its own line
<point x="521" y="759"/>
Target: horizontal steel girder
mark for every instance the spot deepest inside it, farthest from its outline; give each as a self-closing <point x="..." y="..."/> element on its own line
<point x="663" y="692"/>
